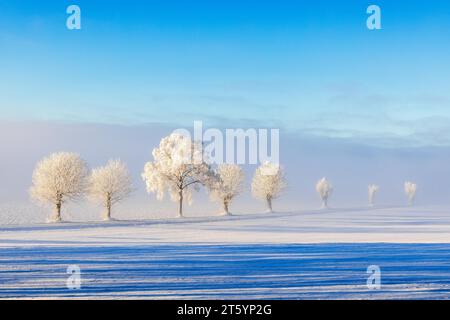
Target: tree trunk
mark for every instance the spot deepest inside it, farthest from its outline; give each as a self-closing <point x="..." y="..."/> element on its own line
<point x="57" y="211"/>
<point x="107" y="215"/>
<point x="325" y="203"/>
<point x="226" y="210"/>
<point x="269" y="204"/>
<point x="180" y="205"/>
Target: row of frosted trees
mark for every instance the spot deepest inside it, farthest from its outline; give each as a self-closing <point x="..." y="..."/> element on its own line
<point x="325" y="189"/>
<point x="178" y="167"/>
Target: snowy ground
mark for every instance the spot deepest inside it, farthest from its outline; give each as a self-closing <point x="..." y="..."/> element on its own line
<point x="307" y="254"/>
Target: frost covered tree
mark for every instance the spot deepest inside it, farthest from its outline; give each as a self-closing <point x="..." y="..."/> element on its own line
<point x="410" y="191"/>
<point x="58" y="178"/>
<point x="325" y="189"/>
<point x="226" y="184"/>
<point x="109" y="185"/>
<point x="268" y="183"/>
<point x="373" y="189"/>
<point x="177" y="167"/>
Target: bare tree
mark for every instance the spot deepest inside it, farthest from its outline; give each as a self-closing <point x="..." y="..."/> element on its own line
<point x="226" y="184"/>
<point x="325" y="189"/>
<point x="268" y="183"/>
<point x="178" y="166"/>
<point x="110" y="185"/>
<point x="373" y="189"/>
<point x="410" y="191"/>
<point x="59" y="178"/>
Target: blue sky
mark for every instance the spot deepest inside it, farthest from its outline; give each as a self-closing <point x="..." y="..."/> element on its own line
<point x="307" y="67"/>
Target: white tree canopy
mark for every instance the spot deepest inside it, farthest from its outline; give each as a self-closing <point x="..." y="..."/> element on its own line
<point x="110" y="184"/>
<point x="324" y="189"/>
<point x="178" y="166"/>
<point x="226" y="184"/>
<point x="372" y="189"/>
<point x="410" y="191"/>
<point x="58" y="178"/>
<point x="268" y="183"/>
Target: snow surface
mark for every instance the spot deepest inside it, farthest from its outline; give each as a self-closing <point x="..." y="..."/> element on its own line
<point x="289" y="255"/>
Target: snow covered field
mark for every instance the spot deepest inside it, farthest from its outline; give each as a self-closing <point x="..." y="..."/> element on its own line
<point x="306" y="254"/>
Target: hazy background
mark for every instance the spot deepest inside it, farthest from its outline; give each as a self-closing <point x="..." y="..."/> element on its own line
<point x="349" y="166"/>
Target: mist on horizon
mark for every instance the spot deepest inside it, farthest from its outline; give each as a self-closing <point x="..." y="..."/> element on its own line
<point x="349" y="166"/>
